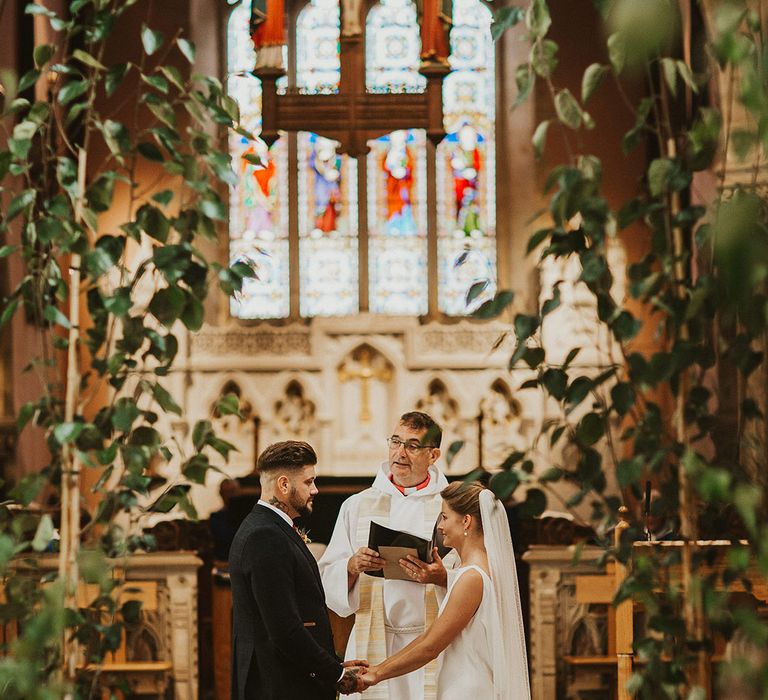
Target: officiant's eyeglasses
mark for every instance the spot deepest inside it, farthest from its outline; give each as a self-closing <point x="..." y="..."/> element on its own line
<point x="411" y="448"/>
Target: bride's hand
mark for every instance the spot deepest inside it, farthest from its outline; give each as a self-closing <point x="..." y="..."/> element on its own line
<point x="422" y="572"/>
<point x="370" y="677"/>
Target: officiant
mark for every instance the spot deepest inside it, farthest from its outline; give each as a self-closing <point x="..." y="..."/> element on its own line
<point x="390" y="613"/>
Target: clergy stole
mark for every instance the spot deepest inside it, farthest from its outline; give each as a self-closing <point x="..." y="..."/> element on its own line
<point x="370" y="634"/>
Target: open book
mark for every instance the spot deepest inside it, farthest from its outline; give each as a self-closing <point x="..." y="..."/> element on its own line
<point x="394" y="545"/>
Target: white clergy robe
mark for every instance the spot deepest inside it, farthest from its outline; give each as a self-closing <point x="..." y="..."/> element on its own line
<point x="403" y="601"/>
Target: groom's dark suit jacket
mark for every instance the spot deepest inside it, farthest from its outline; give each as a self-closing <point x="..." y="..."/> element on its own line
<point x="282" y="646"/>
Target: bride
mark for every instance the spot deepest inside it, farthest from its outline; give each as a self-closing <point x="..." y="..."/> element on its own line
<point x="479" y="629"/>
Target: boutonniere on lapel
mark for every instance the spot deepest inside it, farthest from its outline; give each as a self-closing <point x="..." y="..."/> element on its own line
<point x="304" y="534"/>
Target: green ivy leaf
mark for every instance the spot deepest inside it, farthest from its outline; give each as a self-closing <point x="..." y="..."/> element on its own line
<point x="577" y="392"/>
<point x="67" y="432"/>
<point x="593" y="78"/>
<point x="567" y="108"/>
<point x="150" y="39"/>
<point x="229" y="405"/>
<point x="714" y="484"/>
<point x="72" y="90"/>
<point x="28" y="488"/>
<point x="167" y="305"/>
<point x="590" y="429"/>
<point x="114" y="78"/>
<point x="453" y="449"/>
<point x="525" y="326"/>
<point x="187" y="48"/>
<point x="19" y="203"/>
<point x="153" y="222"/>
<point x="150" y="151"/>
<point x="494" y="307"/>
<point x="8" y="311"/>
<point x="476" y="290"/>
<point x="537" y="18"/>
<point x="535" y="504"/>
<point x="629" y="471"/>
<point x="504" y="18"/>
<point x="539" y="142"/>
<point x="659" y="172"/>
<point x="552" y="474"/>
<point x="669" y="69"/>
<point x="52" y="314"/>
<point x="533" y="357"/>
<point x="196" y="468"/>
<point x="42" y="54"/>
<point x="88" y="60"/>
<point x="555" y="382"/>
<point x="504" y="483"/>
<point x="525" y="79"/>
<point x="124" y="414"/>
<point x="202" y="434"/>
<point x="165" y="400"/>
<point x="623" y="397"/>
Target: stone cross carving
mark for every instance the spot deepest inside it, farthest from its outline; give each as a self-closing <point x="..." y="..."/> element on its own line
<point x="365" y="370"/>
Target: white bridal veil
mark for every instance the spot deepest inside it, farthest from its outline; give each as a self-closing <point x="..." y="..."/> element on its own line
<point x="510" y="664"/>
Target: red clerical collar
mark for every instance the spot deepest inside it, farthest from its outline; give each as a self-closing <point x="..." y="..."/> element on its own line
<point x="410" y="489"/>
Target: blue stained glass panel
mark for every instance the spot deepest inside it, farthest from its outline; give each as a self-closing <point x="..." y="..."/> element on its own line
<point x="466" y="164"/>
<point x="328" y="244"/>
<point x="397" y="223"/>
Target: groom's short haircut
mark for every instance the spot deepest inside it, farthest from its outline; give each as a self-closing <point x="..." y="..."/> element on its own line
<point x="287" y="456"/>
<point x="418" y="420"/>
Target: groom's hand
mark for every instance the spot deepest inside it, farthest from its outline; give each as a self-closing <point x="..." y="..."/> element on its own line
<point x="421" y="572"/>
<point x="352" y="680"/>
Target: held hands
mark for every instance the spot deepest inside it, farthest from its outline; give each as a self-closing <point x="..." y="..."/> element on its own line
<point x="364" y="559"/>
<point x="370" y="677"/>
<point x="421" y="572"/>
<point x="352" y="680"/>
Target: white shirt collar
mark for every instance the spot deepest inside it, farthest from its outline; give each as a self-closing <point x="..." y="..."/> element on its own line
<point x="283" y="515"/>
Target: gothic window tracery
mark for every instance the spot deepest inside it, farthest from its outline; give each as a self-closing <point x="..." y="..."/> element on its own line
<point x="360" y="222"/>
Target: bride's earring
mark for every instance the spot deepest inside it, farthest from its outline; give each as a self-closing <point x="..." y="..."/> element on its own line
<point x="466" y="533"/>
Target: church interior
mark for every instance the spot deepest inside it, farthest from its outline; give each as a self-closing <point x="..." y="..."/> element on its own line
<point x="390" y="195"/>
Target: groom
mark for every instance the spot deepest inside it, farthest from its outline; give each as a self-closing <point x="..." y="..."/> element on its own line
<point x="282" y="647"/>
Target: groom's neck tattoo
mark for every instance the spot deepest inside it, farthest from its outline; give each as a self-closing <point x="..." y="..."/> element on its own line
<point x="278" y="504"/>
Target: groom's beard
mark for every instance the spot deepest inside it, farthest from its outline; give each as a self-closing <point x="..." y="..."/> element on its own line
<point x="303" y="508"/>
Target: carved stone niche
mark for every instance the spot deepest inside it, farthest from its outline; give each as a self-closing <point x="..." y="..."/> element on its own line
<point x="242" y="432"/>
<point x="294" y="416"/>
<point x="438" y="402"/>
<point x="501" y="425"/>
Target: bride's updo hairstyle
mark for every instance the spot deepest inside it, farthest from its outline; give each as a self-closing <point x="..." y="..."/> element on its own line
<point x="463" y="497"/>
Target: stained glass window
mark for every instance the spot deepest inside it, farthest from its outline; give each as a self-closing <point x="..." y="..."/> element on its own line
<point x="397" y="223"/>
<point x="318" y="61"/>
<point x="325" y="182"/>
<point x="392" y="47"/>
<point x="258" y="222"/>
<point x="466" y="172"/>
<point x="328" y="269"/>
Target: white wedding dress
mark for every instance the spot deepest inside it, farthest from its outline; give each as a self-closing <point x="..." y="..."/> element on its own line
<point x="488" y="660"/>
<point x="465" y="668"/>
